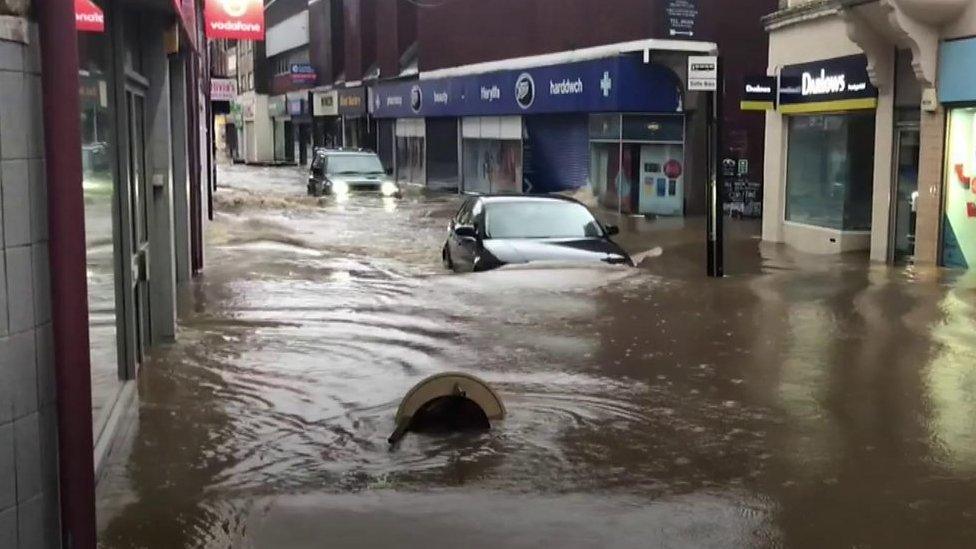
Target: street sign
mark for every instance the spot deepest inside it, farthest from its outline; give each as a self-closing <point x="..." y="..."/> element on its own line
<point x="743" y="166"/>
<point x="223" y="89"/>
<point x="681" y="17"/>
<point x="702" y="73"/>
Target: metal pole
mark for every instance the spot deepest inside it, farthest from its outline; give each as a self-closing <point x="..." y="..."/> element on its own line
<point x="69" y="286"/>
<point x="716" y="207"/>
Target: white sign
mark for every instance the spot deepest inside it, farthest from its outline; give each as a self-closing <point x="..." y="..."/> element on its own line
<point x="222" y="89"/>
<point x="325" y="103"/>
<point x="703" y="73"/>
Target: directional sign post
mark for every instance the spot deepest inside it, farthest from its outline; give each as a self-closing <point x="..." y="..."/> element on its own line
<point x="705" y="75"/>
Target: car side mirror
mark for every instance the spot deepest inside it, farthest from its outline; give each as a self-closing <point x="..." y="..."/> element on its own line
<point x="466" y="232"/>
<point x="612" y="230"/>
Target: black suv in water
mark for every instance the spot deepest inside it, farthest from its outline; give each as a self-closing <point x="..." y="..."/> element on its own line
<point x="341" y="172"/>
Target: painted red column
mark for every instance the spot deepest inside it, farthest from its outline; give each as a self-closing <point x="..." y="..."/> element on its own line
<point x="69" y="287"/>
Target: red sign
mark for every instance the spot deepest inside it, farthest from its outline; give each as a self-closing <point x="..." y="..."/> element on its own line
<point x="89" y="17"/>
<point x="223" y="89"/>
<point x="235" y="19"/>
<point x="673" y="169"/>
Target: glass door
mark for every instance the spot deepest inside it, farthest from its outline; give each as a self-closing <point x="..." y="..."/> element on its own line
<point x="905" y="195"/>
<point x="139" y="223"/>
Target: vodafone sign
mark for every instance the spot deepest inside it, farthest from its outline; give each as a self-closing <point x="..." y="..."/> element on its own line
<point x="89" y="17"/>
<point x="236" y="19"/>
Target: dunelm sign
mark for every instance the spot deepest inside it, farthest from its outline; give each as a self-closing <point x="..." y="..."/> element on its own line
<point x="615" y="84"/>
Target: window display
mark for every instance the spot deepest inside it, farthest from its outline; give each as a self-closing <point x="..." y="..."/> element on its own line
<point x="830" y="171"/>
<point x="959" y="226"/>
<point x="101" y="199"/>
<point x="410" y="159"/>
<point x="492" y="166"/>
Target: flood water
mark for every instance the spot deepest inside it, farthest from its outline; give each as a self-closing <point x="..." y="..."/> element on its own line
<point x="800" y="402"/>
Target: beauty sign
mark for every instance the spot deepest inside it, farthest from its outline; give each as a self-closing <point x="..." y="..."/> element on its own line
<point x="234" y="19"/>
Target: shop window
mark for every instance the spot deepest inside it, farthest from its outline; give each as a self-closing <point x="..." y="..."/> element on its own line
<point x="410" y="159"/>
<point x="959" y="225"/>
<point x="492" y="166"/>
<point x="604" y="172"/>
<point x="98" y="149"/>
<point x="830" y="171"/>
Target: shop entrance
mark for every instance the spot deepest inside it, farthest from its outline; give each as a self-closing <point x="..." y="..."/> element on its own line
<point x="905" y="195"/>
<point x="137" y="187"/>
<point x="662" y="180"/>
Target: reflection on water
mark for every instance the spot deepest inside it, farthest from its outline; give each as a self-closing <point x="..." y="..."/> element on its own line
<point x="804" y="401"/>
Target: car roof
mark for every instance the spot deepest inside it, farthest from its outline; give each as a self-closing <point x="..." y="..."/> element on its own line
<point x="514" y="197"/>
<point x="345" y="152"/>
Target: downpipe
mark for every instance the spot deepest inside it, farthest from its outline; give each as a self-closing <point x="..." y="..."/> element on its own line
<point x="69" y="287"/>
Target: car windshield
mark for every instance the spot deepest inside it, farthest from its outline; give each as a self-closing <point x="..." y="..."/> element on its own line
<point x="540" y="219"/>
<point x="354" y="163"/>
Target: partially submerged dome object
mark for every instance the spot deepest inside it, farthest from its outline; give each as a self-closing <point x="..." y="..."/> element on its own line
<point x="448" y="402"/>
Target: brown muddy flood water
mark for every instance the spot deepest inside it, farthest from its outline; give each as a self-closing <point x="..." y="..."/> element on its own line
<point x="801" y="402"/>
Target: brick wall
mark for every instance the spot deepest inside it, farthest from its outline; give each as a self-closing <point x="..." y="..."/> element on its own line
<point x="28" y="424"/>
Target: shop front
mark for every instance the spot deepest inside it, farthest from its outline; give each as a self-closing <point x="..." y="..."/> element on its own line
<point x="326" y="127"/>
<point x="825" y="191"/>
<point x="637" y="163"/>
<point x="281" y="129"/>
<point x="257" y="137"/>
<point x="528" y="130"/>
<point x="301" y="122"/>
<point x="491" y="149"/>
<point x="410" y="151"/>
<point x="355" y="120"/>
<point x="143" y="133"/>
<point x="957" y="91"/>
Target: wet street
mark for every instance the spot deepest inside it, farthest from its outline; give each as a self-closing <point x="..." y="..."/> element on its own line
<point x="801" y="402"/>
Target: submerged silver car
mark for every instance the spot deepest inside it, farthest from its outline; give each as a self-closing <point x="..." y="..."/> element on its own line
<point x="342" y="172"/>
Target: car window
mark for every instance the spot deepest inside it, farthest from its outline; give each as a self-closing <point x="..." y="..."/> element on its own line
<point x="464" y="214"/>
<point x="318" y="164"/>
<point x="541" y="219"/>
<point x="354" y="164"/>
<point x="476" y="212"/>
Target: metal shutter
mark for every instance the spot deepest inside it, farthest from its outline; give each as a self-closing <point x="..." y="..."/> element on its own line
<point x="557" y="152"/>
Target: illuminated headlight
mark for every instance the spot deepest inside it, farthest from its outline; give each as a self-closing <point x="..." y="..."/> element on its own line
<point x="340" y="187"/>
<point x="388" y="188"/>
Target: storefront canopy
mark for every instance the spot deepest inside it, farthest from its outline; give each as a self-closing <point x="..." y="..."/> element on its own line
<point x="614" y="84"/>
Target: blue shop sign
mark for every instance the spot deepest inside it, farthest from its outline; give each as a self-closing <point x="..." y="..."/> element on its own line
<point x="295" y="107"/>
<point x="616" y="84"/>
<point x="957" y="79"/>
<point x="302" y="72"/>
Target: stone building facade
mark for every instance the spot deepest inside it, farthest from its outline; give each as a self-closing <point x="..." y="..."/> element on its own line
<point x="28" y="421"/>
